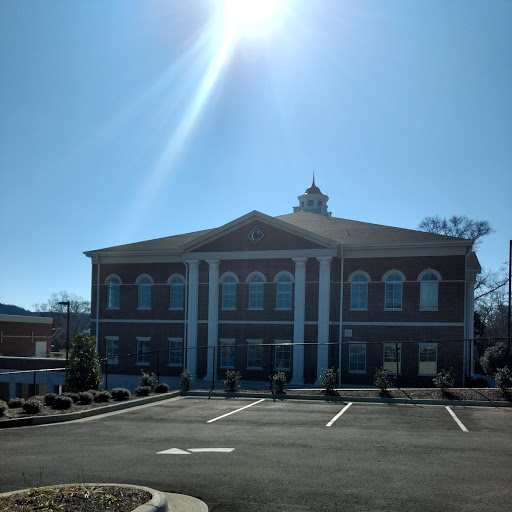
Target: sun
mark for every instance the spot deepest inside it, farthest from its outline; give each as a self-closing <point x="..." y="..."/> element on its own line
<point x="251" y="18"/>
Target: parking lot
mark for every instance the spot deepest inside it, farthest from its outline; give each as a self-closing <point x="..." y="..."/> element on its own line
<point x="250" y="454"/>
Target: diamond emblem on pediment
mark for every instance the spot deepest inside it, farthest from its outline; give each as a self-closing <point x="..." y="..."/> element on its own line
<point x="255" y="235"/>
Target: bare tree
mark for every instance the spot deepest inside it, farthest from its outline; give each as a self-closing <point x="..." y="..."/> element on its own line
<point x="459" y="226"/>
<point x="79" y="316"/>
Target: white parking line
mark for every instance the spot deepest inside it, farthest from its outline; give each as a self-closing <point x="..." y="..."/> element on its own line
<point x="454" y="416"/>
<point x="339" y="414"/>
<point x="233" y="412"/>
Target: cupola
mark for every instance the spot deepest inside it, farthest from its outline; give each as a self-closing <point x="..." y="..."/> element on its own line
<point x="313" y="201"/>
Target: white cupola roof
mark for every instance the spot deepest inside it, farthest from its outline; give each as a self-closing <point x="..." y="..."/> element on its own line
<point x="313" y="201"/>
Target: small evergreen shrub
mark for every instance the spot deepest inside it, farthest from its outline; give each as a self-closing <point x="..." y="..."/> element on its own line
<point x="49" y="398"/>
<point x="85" y="398"/>
<point x="142" y="390"/>
<point x="503" y="378"/>
<point x="329" y="379"/>
<point x="279" y="380"/>
<point x="74" y="396"/>
<point x="444" y="380"/>
<point x="32" y="406"/>
<point x="185" y="380"/>
<point x="120" y="394"/>
<point x="16" y="403"/>
<point x="381" y="380"/>
<point x="93" y="392"/>
<point x="232" y="379"/>
<point x="162" y="388"/>
<point x="147" y="379"/>
<point x="62" y="402"/>
<point x="102" y="397"/>
<point x="3" y="408"/>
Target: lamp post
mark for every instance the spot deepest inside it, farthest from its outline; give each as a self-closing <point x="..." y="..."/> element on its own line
<point x="66" y="303"/>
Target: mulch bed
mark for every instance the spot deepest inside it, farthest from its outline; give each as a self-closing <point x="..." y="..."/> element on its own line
<point x="76" y="498"/>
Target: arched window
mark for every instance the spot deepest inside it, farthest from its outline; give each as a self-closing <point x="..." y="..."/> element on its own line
<point x="283" y="291"/>
<point x="359" y="292"/>
<point x="113" y="288"/>
<point x="394" y="284"/>
<point x="228" y="284"/>
<point x="429" y="290"/>
<point x="256" y="282"/>
<point x="144" y="292"/>
<point x="177" y="292"/>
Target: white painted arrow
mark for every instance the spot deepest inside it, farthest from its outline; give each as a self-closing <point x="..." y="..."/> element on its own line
<point x="177" y="451"/>
<point x="173" y="451"/>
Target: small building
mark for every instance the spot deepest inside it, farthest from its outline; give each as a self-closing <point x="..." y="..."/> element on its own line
<point x="298" y="293"/>
<point x="25" y="336"/>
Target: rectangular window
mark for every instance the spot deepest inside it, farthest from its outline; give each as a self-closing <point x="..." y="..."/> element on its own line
<point x="357" y="358"/>
<point x="254" y="354"/>
<point x="142" y="350"/>
<point x="427" y="359"/>
<point x="282" y="355"/>
<point x="227" y="353"/>
<point x="112" y="343"/>
<point x="175" y="351"/>
<point x="390" y="357"/>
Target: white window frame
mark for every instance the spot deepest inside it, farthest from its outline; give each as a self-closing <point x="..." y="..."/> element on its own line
<point x="113" y="291"/>
<point x="392" y="363"/>
<point x="173" y="281"/>
<point x="424" y="285"/>
<point x="228" y="296"/>
<point x="109" y="344"/>
<point x="250" y="346"/>
<point x="353" y="282"/>
<point x="394" y="285"/>
<point x="356" y="346"/>
<point x="426" y="346"/>
<point x="282" y="345"/>
<point x="175" y="346"/>
<point x="227" y="351"/>
<point x="284" y="291"/>
<point x="256" y="297"/>
<point x="142" y="355"/>
<point x="144" y="284"/>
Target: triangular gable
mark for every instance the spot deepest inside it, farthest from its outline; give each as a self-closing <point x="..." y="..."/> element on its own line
<point x="256" y="231"/>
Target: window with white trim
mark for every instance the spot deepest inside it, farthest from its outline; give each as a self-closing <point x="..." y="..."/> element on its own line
<point x="429" y="291"/>
<point x="229" y="292"/>
<point x="394" y="286"/>
<point x="256" y="283"/>
<point x="427" y="364"/>
<point x="113" y="289"/>
<point x="284" y="292"/>
<point x="175" y="351"/>
<point x="357" y="358"/>
<point x="390" y="357"/>
<point x="142" y="350"/>
<point x="144" y="292"/>
<point x="227" y="352"/>
<point x="359" y="292"/>
<point x="112" y="346"/>
<point x="254" y="354"/>
<point x="283" y="355"/>
<point x="177" y="292"/>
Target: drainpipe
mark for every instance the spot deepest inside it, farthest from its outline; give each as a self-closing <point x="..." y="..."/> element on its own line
<point x="340" y="332"/>
<point x="185" y="320"/>
<point x="98" y="301"/>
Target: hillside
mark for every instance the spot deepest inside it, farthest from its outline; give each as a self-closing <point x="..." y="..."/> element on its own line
<point x="9" y="309"/>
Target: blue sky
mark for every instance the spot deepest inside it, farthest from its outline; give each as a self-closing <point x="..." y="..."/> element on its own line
<point x="123" y="121"/>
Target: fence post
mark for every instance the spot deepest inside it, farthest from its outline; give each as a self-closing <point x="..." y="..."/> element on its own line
<point x="35" y="373"/>
<point x="158" y="367"/>
<point x="271" y="368"/>
<point x="397" y="365"/>
<point x="213" y="369"/>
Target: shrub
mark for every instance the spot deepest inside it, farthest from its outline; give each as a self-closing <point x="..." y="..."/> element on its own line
<point x="494" y="358"/>
<point x="142" y="390"/>
<point x="102" y="397"/>
<point x="49" y="398"/>
<point x="3" y="408"/>
<point x="120" y="394"/>
<point x="62" y="402"/>
<point x="503" y="378"/>
<point x="32" y="406"/>
<point x="381" y="380"/>
<point x="329" y="379"/>
<point x="16" y="403"/>
<point x="74" y="396"/>
<point x="444" y="379"/>
<point x="279" y="380"/>
<point x="85" y="398"/>
<point x="147" y="380"/>
<point x="93" y="392"/>
<point x="185" y="380"/>
<point x="162" y="388"/>
<point x="83" y="369"/>
<point x="232" y="379"/>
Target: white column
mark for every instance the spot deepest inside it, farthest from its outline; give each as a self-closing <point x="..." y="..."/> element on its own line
<point x="213" y="314"/>
<point x="192" y="307"/>
<point x="298" y="321"/>
<point x="324" y="288"/>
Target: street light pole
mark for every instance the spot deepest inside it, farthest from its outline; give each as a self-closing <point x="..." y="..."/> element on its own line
<point x="66" y="303"/>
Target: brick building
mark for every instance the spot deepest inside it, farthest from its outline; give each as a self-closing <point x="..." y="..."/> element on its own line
<point x="25" y="336"/>
<point x="299" y="293"/>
